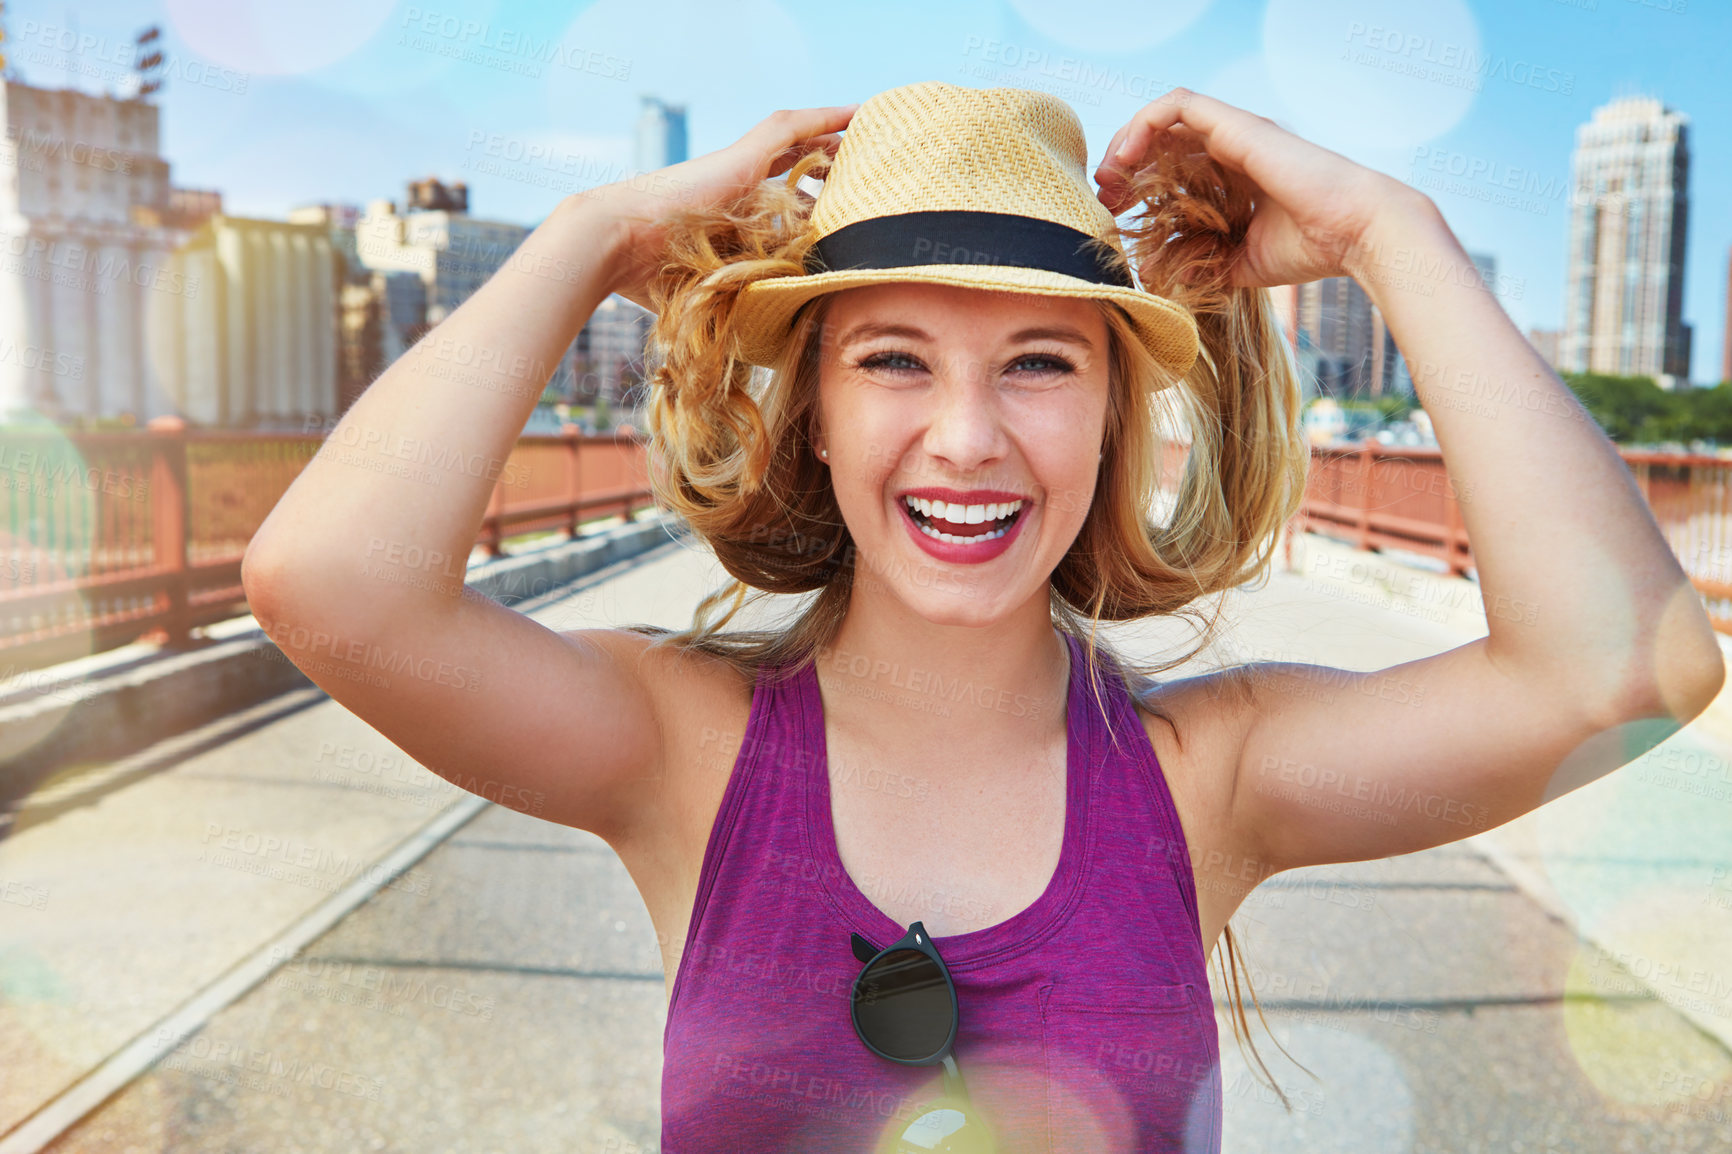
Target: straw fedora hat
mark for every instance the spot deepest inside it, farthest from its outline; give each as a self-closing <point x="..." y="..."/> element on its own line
<point x="975" y="187"/>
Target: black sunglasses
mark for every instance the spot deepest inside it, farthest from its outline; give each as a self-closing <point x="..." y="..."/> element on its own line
<point x="905" y="1009"/>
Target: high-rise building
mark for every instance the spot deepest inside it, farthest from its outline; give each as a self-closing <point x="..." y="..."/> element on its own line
<point x="360" y="341"/>
<point x="1389" y="375"/>
<point x="256" y="348"/>
<point x="1545" y="342"/>
<point x="1335" y="316"/>
<point x="1726" y="333"/>
<point x="403" y="310"/>
<point x="87" y="225"/>
<point x="1341" y="340"/>
<point x="453" y="253"/>
<point x="1398" y="379"/>
<point x="1629" y="214"/>
<point x="1285" y="300"/>
<point x="1486" y="265"/>
<point x="661" y="134"/>
<point x="612" y="350"/>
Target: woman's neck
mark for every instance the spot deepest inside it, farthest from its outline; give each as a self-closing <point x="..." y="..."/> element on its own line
<point x="894" y="674"/>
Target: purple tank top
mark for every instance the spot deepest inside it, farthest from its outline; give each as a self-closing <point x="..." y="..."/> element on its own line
<point x="1086" y="1021"/>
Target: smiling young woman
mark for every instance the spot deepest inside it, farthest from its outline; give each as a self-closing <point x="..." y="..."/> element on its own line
<point x="961" y="474"/>
<point x="929" y="400"/>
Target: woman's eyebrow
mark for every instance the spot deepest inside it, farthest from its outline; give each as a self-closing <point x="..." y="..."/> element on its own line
<point x="867" y="329"/>
<point x="1053" y="333"/>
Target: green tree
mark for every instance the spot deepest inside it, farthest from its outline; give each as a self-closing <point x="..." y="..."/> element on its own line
<point x="1629" y="409"/>
<point x="1388" y="407"/>
<point x="1711" y="413"/>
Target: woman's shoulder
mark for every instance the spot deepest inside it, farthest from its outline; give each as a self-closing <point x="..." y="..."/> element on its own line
<point x="685" y="679"/>
<point x="1196" y="728"/>
<point x="697" y="696"/>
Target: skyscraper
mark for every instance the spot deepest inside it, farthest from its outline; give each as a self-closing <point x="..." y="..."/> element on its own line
<point x="614" y="339"/>
<point x="454" y="253"/>
<point x="1545" y="342"/>
<point x="661" y="134"/>
<point x="1726" y="333"/>
<point x="1486" y="265"/>
<point x="1335" y="315"/>
<point x="1629" y="212"/>
<point x="87" y="253"/>
<point x="1341" y="339"/>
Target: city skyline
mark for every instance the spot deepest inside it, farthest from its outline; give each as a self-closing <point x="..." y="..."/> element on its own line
<point x="526" y="101"/>
<point x="126" y="298"/>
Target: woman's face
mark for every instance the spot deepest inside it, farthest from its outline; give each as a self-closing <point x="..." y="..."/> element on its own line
<point x="992" y="403"/>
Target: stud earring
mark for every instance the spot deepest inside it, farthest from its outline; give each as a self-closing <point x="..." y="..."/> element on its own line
<point x="824" y="453"/>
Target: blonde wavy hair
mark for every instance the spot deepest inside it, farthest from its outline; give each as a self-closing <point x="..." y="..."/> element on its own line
<point x="731" y="448"/>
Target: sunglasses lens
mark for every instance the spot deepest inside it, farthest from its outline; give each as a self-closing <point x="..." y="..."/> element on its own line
<point x="902" y="1005"/>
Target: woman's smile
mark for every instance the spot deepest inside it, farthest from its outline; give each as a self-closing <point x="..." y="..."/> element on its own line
<point x="966" y="527"/>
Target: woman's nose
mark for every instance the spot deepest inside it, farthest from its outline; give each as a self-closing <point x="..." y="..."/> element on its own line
<point x="964" y="426"/>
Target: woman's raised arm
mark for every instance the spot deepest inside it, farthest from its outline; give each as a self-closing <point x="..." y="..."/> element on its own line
<point x="1592" y="621"/>
<point x="357" y="574"/>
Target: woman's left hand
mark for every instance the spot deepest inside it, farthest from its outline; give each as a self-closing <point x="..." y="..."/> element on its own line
<point x="1313" y="207"/>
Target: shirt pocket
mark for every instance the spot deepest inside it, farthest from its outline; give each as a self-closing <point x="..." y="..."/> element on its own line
<point x="1130" y="1067"/>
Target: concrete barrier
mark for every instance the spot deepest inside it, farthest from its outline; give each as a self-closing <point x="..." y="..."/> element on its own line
<point x="58" y="722"/>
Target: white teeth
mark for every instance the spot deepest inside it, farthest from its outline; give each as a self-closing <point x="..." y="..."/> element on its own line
<point x="971" y="514"/>
<point x="962" y="514"/>
<point x="952" y="539"/>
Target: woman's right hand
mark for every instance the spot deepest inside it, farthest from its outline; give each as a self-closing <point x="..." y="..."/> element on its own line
<point x="641" y="205"/>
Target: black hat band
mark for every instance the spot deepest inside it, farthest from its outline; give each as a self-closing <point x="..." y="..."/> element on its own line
<point x="960" y="237"/>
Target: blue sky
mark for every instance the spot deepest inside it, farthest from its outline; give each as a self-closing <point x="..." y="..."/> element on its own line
<point x="277" y="105"/>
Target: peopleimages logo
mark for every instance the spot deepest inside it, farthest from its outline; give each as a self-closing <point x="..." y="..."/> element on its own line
<point x="460" y="37"/>
<point x="1085" y="79"/>
<point x="1455" y="65"/>
<point x="36" y="357"/>
<point x="1489" y="180"/>
<point x="101" y="264"/>
<point x="49" y="146"/>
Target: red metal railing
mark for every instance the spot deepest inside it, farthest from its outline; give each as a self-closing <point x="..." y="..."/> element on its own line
<point x="111" y="537"/>
<point x="1376" y="496"/>
<point x="1691" y="497"/>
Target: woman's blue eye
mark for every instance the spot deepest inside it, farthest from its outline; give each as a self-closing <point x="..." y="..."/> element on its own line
<point x="1049" y="361"/>
<point x="882" y="361"/>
